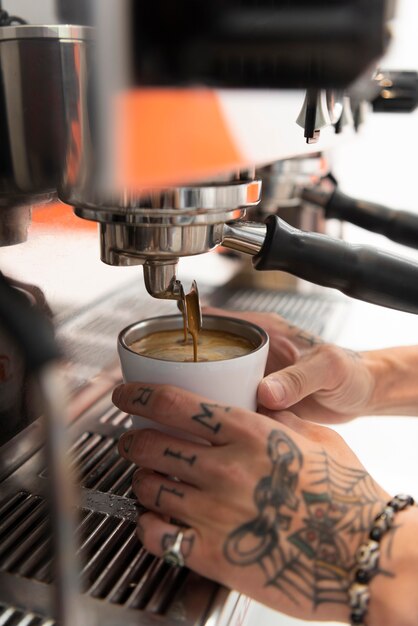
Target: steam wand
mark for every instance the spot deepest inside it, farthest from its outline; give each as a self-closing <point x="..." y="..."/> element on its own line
<point x="399" y="226"/>
<point x="361" y="272"/>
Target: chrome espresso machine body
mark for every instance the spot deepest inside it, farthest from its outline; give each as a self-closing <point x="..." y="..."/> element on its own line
<point x="123" y="117"/>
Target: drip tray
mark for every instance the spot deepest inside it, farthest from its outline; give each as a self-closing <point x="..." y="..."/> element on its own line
<point x="115" y="568"/>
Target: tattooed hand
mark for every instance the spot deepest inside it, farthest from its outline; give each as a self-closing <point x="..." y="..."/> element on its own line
<point x="273" y="508"/>
<point x="317" y="380"/>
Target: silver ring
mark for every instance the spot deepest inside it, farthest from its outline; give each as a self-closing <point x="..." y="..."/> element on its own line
<point x="173" y="555"/>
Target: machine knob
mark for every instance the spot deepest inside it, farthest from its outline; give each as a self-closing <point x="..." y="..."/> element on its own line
<point x="398" y="92"/>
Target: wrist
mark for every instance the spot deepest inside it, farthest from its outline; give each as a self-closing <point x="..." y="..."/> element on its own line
<point x="394" y="389"/>
<point x="393" y="592"/>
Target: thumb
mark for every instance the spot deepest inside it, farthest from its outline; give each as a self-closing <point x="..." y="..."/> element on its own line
<point x="288" y="386"/>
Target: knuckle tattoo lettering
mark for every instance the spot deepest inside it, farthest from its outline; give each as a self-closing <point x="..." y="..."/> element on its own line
<point x="142" y="396"/>
<point x="205" y="417"/>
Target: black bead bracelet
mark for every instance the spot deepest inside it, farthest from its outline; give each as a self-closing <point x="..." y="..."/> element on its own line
<point x="367" y="559"/>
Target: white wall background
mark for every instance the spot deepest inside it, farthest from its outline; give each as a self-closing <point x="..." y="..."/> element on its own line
<point x="33" y="11"/>
<point x="380" y="164"/>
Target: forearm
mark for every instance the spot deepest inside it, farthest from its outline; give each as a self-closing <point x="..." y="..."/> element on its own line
<point x="394" y="596"/>
<point x="395" y="372"/>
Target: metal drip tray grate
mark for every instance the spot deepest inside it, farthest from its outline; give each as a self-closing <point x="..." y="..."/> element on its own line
<point x="25" y="537"/>
<point x="99" y="466"/>
<point x="115" y="569"/>
<point x="10" y="616"/>
<point x="315" y="313"/>
<point x="115" y="566"/>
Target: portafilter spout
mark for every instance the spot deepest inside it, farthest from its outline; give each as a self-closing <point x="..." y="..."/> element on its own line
<point x="161" y="282"/>
<point x="160" y="278"/>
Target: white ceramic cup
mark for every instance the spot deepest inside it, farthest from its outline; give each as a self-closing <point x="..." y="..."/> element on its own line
<point x="231" y="382"/>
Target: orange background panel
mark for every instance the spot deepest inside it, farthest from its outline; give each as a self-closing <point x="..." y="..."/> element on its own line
<point x="59" y="215"/>
<point x="169" y="136"/>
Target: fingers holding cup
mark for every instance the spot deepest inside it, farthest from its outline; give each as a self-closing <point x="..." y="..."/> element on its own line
<point x="228" y="376"/>
<point x="181" y="410"/>
<point x="156" y="451"/>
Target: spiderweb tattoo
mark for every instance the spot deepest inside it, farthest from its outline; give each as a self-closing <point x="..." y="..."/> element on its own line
<point x="311" y="560"/>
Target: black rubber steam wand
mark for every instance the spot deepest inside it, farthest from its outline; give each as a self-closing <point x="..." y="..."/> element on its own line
<point x="361" y="272"/>
<point x="399" y="226"/>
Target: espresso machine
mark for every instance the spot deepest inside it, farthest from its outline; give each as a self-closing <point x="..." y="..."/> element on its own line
<point x="121" y="111"/>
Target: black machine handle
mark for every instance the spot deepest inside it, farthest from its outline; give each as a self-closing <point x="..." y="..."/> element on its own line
<point x="361" y="272"/>
<point x="399" y="226"/>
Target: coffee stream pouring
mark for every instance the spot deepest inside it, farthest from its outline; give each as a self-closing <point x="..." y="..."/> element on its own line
<point x="189" y="305"/>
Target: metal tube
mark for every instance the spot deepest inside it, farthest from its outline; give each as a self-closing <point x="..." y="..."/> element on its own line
<point x="245" y="237"/>
<point x="62" y="497"/>
<point x="14" y="224"/>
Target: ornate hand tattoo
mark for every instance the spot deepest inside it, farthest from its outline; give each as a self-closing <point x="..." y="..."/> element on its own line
<point x="258" y="541"/>
<point x="312" y="560"/>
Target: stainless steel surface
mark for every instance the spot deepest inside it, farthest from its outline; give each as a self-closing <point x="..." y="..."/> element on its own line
<point x="158" y="228"/>
<point x="283" y="184"/>
<point x="245" y="237"/>
<point x="10" y="615"/>
<point x="335" y="104"/>
<point x="14" y="224"/>
<point x="32" y="93"/>
<point x="123" y="245"/>
<point x="182" y="202"/>
<point x="45" y="31"/>
<point x="346" y="119"/>
<point x="160" y="279"/>
<point x="284" y="180"/>
<point x="316" y="313"/>
<point x="164" y="225"/>
<point x="322" y="112"/>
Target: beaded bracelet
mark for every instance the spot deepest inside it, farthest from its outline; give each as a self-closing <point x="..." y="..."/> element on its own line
<point x="367" y="559"/>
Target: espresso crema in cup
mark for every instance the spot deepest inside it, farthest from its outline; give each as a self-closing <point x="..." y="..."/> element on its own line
<point x="230" y="381"/>
<point x="213" y="345"/>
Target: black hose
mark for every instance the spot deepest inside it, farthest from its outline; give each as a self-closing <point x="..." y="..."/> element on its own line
<point x="9" y="20"/>
<point x="29" y="328"/>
